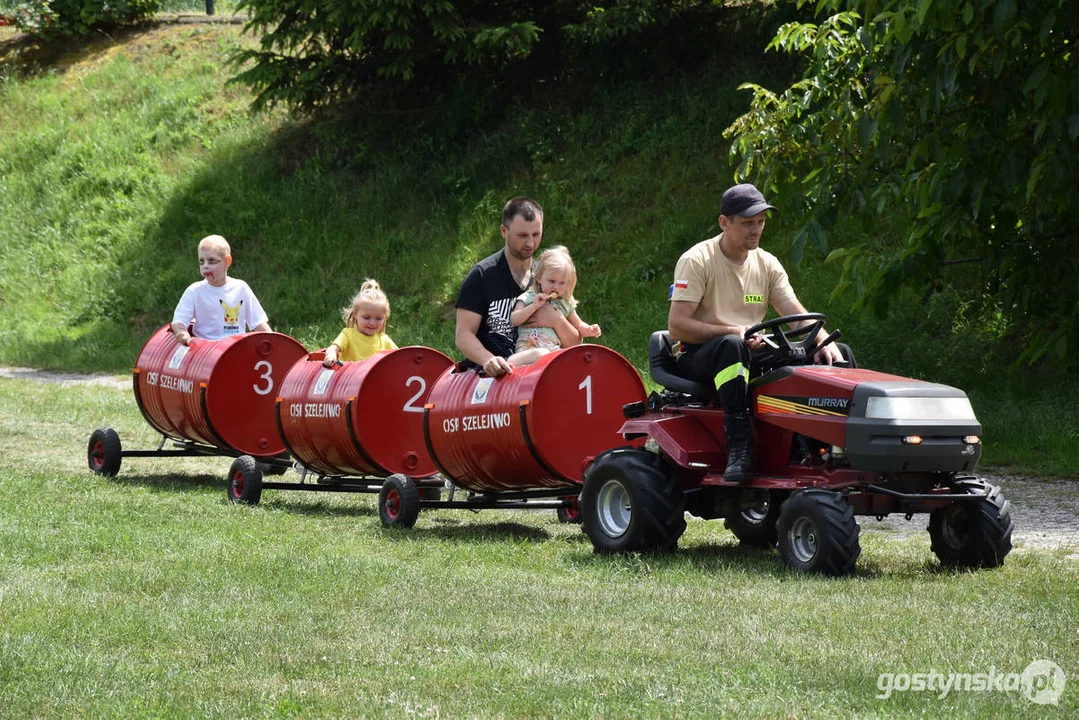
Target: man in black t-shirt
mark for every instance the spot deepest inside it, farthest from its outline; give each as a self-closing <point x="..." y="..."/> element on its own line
<point x="484" y="332"/>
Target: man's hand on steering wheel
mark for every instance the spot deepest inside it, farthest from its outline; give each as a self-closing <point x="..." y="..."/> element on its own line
<point x="754" y="341"/>
<point x="828" y="355"/>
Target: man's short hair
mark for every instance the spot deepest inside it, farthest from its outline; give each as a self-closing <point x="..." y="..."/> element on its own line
<point x="526" y="207"/>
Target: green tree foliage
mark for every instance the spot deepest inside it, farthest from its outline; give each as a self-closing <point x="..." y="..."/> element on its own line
<point x="315" y="52"/>
<point x="964" y="113"/>
<point x="75" y="18"/>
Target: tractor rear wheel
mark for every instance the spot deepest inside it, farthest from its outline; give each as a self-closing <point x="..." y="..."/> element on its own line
<point x="104" y="453"/>
<point x="818" y="533"/>
<point x="245" y="481"/>
<point x="399" y="502"/>
<point x="756" y="525"/>
<point x="975" y="533"/>
<point x="631" y="502"/>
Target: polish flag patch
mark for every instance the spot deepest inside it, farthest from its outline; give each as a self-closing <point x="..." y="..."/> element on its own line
<point x="681" y="284"/>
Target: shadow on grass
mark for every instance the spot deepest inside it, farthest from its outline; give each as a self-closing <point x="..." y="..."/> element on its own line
<point x="726" y="558"/>
<point x="705" y="558"/>
<point x="173" y="482"/>
<point x="34" y="56"/>
<point x="318" y="508"/>
<point x="459" y="531"/>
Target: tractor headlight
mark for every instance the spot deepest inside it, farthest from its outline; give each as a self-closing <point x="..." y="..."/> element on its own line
<point x="920" y="408"/>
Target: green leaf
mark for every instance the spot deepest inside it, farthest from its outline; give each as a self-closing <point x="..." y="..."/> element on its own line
<point x="1003" y="16"/>
<point x="930" y="210"/>
<point x="1036" y="78"/>
<point x="961" y="46"/>
<point x="923" y="8"/>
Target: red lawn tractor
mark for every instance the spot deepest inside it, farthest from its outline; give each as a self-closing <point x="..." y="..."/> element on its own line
<point x="831" y="442"/>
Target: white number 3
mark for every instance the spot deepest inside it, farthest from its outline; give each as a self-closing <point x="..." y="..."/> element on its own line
<point x="267" y="369"/>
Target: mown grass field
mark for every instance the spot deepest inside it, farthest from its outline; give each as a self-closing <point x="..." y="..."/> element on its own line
<point x="150" y="595"/>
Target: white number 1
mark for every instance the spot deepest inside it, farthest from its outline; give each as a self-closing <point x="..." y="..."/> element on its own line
<point x="586" y="385"/>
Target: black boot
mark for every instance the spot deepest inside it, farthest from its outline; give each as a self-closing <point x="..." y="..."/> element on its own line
<point x="740" y="465"/>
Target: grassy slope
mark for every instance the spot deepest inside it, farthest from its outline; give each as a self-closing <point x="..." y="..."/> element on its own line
<point x="150" y="596"/>
<point x="117" y="157"/>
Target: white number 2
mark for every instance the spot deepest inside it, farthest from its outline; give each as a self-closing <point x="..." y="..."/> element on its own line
<point x="411" y="406"/>
<point x="267" y="369"/>
<point x="586" y="385"/>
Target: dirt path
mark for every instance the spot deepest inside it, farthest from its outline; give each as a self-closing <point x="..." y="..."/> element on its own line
<point x="1045" y="511"/>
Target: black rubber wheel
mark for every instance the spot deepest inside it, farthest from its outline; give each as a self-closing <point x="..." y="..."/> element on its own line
<point x="756" y="525"/>
<point x="273" y="469"/>
<point x="631" y="502"/>
<point x="570" y="515"/>
<point x="399" y="502"/>
<point x="431" y="494"/>
<point x="818" y="533"/>
<point x="104" y="453"/>
<point x="975" y="533"/>
<point x="245" y="481"/>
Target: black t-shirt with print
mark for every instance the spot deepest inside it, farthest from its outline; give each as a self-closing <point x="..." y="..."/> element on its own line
<point x="489" y="290"/>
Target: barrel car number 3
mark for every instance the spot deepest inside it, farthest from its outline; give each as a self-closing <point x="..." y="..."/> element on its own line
<point x="267" y="372"/>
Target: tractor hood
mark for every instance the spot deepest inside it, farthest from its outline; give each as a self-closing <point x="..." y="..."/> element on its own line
<point x="884" y="423"/>
<point x="888" y="418"/>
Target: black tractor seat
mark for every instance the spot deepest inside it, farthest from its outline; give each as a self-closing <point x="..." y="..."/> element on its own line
<point x="663" y="367"/>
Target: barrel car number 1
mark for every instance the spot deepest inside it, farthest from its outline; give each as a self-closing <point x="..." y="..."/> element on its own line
<point x="586" y="385"/>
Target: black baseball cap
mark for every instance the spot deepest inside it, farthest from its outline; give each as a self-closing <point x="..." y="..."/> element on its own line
<point x="745" y="200"/>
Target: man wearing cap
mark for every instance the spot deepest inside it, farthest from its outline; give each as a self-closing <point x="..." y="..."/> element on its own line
<point x="721" y="287"/>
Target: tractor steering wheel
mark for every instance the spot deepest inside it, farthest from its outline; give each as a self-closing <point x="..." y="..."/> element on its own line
<point x="781" y="351"/>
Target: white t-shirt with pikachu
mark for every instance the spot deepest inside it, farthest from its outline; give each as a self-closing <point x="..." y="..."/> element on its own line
<point x="218" y="312"/>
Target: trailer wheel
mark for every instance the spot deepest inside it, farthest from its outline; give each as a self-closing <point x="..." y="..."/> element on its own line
<point x="756" y="525"/>
<point x="818" y="533"/>
<point x="245" y="481"/>
<point x="104" y="453"/>
<point x="570" y="515"/>
<point x="631" y="502"/>
<point x="399" y="502"/>
<point x="974" y="534"/>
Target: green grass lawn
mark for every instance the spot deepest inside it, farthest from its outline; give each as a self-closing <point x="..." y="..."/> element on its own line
<point x="151" y="595"/>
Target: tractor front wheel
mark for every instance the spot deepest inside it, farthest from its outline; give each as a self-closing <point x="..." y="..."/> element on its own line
<point x="399" y="502"/>
<point x="245" y="481"/>
<point x="756" y="525"/>
<point x="631" y="502"/>
<point x="818" y="533"/>
<point x="973" y="533"/>
<point x="104" y="453"/>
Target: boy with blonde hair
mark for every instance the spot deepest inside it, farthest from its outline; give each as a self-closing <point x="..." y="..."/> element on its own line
<point x="218" y="306"/>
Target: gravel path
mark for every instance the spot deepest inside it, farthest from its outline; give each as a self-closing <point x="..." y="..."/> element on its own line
<point x="1045" y="511"/>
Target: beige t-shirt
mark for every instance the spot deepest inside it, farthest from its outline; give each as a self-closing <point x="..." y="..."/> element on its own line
<point x="726" y="293"/>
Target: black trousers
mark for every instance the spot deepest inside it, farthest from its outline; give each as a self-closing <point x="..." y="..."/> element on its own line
<point x="723" y="362"/>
